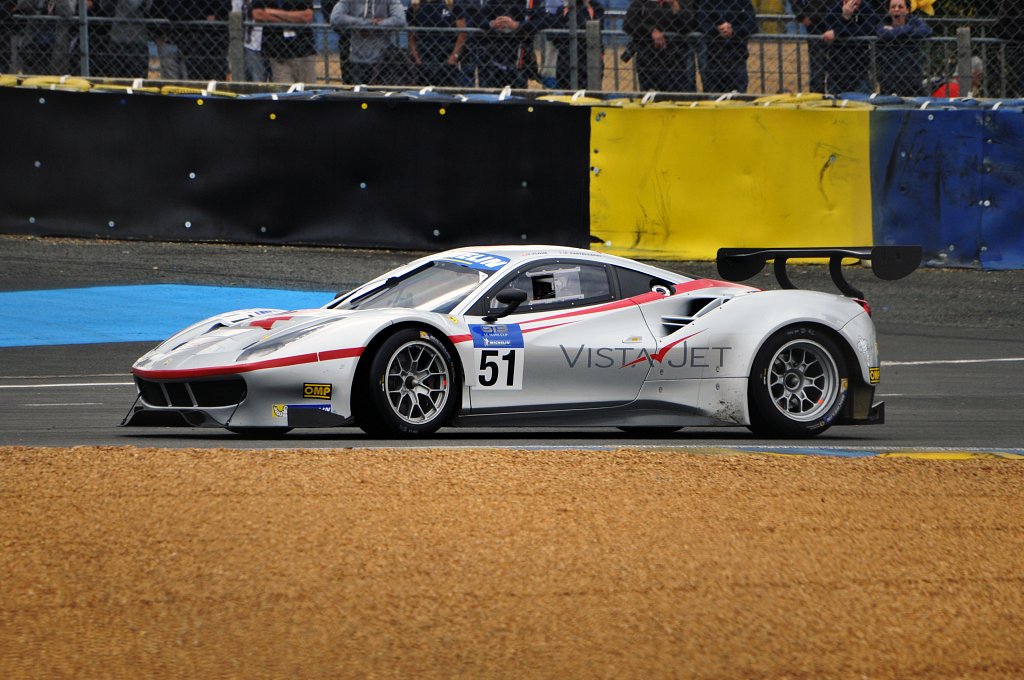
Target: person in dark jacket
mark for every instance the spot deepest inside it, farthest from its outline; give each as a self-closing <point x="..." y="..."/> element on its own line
<point x="586" y="11"/>
<point x="901" y="51"/>
<point x="811" y="15"/>
<point x="200" y="30"/>
<point x="727" y="26"/>
<point x="659" y="36"/>
<point x="436" y="55"/>
<point x="291" y="50"/>
<point x="503" y="55"/>
<point x="849" y="58"/>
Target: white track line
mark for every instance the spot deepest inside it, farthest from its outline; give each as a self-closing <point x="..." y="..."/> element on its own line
<point x="949" y="361"/>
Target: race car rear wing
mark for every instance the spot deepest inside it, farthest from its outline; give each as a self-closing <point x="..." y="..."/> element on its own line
<point x="887" y="262"/>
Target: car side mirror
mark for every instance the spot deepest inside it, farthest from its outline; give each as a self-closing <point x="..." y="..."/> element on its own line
<point x="511" y="298"/>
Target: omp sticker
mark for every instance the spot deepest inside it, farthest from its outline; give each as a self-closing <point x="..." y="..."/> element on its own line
<point x="317" y="390"/>
<point x="874" y="374"/>
<point x="496" y="335"/>
<point x="484" y="261"/>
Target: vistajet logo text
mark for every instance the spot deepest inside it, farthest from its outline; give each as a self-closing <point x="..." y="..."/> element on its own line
<point x="677" y="355"/>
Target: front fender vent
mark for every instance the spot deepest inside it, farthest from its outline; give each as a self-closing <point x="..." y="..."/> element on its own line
<point x="693" y="308"/>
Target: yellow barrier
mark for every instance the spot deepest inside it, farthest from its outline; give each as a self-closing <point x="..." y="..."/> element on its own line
<point x="70" y="83"/>
<point x="681" y="183"/>
<point x="182" y="89"/>
<point x="127" y="89"/>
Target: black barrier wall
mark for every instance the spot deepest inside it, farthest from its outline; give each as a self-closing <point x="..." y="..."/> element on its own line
<point x="353" y="169"/>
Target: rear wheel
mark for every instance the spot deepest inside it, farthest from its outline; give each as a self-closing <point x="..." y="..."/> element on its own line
<point x="410" y="387"/>
<point x="798" y="384"/>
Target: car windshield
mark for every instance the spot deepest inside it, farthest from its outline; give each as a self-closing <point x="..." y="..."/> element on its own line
<point x="433" y="287"/>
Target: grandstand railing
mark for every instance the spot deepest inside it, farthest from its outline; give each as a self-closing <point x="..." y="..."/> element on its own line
<point x="778" y="56"/>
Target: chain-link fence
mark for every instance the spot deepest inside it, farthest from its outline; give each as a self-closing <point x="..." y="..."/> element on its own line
<point x="673" y="46"/>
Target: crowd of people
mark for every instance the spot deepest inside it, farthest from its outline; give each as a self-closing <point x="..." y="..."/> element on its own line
<point x="678" y="45"/>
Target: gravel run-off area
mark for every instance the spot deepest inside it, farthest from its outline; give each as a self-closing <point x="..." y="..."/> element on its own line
<point x="133" y="562"/>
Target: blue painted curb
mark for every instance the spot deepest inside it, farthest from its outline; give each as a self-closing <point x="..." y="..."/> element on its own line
<point x="75" y="316"/>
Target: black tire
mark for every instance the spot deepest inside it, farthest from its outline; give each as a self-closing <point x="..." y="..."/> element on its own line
<point x="410" y="387"/>
<point x="260" y="432"/>
<point x="798" y="383"/>
<point x="642" y="431"/>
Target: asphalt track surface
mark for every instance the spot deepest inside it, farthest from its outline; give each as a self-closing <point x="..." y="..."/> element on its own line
<point x="951" y="343"/>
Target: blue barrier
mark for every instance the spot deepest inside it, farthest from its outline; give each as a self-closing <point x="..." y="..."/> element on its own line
<point x="950" y="179"/>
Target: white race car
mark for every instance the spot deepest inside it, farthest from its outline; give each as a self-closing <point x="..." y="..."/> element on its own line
<point x="527" y="335"/>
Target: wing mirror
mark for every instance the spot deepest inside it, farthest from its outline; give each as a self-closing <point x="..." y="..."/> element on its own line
<point x="511" y="298"/>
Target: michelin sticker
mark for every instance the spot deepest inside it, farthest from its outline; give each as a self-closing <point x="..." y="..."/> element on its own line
<point x="482" y="261"/>
<point x="281" y="410"/>
<point x="499" y="356"/>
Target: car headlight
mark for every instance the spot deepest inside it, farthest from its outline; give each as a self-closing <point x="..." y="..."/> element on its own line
<point x="279" y="341"/>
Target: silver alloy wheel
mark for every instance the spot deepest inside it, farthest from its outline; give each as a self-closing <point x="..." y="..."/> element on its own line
<point x="803" y="380"/>
<point x="417" y="381"/>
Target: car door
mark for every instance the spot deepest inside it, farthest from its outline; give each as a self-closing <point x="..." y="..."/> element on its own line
<point x="573" y="343"/>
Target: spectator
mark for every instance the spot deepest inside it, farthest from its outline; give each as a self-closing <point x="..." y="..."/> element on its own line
<point x="503" y="55"/>
<point x="951" y="87"/>
<point x="811" y="15"/>
<point x="257" y="68"/>
<point x="727" y="26"/>
<point x="586" y="11"/>
<point x="45" y="45"/>
<point x="291" y="50"/>
<point x="900" y="51"/>
<point x="120" y="49"/>
<point x="435" y="55"/>
<point x="659" y="36"/>
<point x="199" y="30"/>
<point x="849" y="58"/>
<point x="367" y="47"/>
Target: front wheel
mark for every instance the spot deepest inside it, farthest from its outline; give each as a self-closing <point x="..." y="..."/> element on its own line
<point x="798" y="384"/>
<point x="410" y="387"/>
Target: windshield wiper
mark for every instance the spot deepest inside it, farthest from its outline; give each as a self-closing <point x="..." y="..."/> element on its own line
<point x="389" y="283"/>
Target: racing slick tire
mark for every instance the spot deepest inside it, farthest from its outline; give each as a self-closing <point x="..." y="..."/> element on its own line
<point x="410" y="388"/>
<point x="798" y="383"/>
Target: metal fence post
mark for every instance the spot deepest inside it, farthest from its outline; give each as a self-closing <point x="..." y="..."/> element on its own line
<point x="83" y="38"/>
<point x="963" y="61"/>
<point x="236" y="46"/>
<point x="595" y="56"/>
<point x="574" y="43"/>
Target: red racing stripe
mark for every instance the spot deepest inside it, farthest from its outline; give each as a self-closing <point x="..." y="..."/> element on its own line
<point x="209" y="371"/>
<point x="267" y="322"/>
<point x="698" y="284"/>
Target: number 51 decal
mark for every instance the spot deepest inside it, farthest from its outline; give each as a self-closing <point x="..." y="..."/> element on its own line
<point x="499" y="369"/>
<point x="499" y="352"/>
